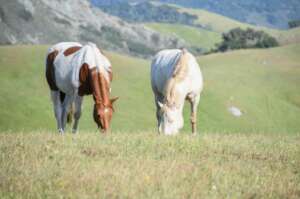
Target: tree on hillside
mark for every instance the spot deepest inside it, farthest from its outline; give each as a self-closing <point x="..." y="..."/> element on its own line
<point x="241" y="39"/>
<point x="294" y="24"/>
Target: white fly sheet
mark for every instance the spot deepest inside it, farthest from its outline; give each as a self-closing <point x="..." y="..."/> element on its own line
<point x="67" y="68"/>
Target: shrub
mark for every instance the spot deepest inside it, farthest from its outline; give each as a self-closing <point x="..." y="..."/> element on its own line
<point x="294" y="24"/>
<point x="241" y="39"/>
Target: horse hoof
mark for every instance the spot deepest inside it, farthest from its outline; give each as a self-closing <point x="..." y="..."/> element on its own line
<point x="194" y="134"/>
<point x="61" y="132"/>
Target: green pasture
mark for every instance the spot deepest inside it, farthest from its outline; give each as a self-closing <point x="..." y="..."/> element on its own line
<point x="41" y="164"/>
<point x="263" y="84"/>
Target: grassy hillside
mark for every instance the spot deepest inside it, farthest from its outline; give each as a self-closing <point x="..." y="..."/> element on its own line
<point x="214" y="25"/>
<point x="213" y="21"/>
<point x="144" y="165"/>
<point x="193" y="36"/>
<point x="289" y="36"/>
<point x="218" y="23"/>
<point x="246" y="157"/>
<point x="264" y="84"/>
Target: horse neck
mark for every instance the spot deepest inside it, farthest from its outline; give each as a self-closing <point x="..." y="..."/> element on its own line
<point x="104" y="90"/>
<point x="175" y="96"/>
<point x="100" y="89"/>
<point x="179" y="74"/>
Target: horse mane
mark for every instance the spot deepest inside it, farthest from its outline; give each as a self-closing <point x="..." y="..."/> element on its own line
<point x="107" y="72"/>
<point x="99" y="75"/>
<point x="179" y="74"/>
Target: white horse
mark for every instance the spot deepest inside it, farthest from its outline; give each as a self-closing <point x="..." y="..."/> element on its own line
<point x="175" y="77"/>
<point x="72" y="71"/>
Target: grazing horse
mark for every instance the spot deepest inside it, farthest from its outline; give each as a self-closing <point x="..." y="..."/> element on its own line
<point x="72" y="71"/>
<point x="175" y="77"/>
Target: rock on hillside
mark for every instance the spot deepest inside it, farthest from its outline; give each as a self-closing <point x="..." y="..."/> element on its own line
<point x="51" y="21"/>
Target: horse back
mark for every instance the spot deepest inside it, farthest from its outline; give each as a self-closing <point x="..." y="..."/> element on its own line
<point x="65" y="48"/>
<point x="175" y="67"/>
<point x="68" y="67"/>
<point x="162" y="68"/>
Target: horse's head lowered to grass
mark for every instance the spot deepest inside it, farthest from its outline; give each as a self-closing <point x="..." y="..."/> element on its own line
<point x="103" y="114"/>
<point x="103" y="107"/>
<point x="171" y="120"/>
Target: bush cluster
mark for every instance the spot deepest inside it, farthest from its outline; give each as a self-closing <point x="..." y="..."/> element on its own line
<point x="240" y="39"/>
<point x="294" y="24"/>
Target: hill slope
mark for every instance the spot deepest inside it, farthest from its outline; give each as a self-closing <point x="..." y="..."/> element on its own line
<point x="52" y="21"/>
<point x="270" y="13"/>
<point x="208" y="27"/>
<point x="195" y="37"/>
<point x="218" y="23"/>
<point x="264" y="84"/>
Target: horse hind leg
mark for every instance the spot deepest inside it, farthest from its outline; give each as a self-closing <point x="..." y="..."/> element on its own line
<point x="66" y="105"/>
<point x="77" y="112"/>
<point x="57" y="106"/>
<point x="70" y="114"/>
<point x="194" y="101"/>
<point x="71" y="109"/>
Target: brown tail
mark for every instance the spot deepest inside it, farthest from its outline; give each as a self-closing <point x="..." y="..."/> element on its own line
<point x="70" y="114"/>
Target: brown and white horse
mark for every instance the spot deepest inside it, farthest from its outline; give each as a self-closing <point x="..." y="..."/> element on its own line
<point x="72" y="71"/>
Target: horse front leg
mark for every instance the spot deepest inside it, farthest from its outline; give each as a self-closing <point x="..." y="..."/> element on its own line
<point x="158" y="99"/>
<point x="194" y="101"/>
<point x="57" y="107"/>
<point x="77" y="113"/>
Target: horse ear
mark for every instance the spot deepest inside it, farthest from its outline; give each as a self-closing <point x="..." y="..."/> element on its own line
<point x="112" y="100"/>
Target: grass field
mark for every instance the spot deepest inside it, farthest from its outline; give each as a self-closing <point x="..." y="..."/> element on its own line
<point x="254" y="156"/>
<point x="264" y="84"/>
<point x="145" y="165"/>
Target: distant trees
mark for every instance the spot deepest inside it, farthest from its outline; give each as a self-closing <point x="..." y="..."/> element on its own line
<point x="294" y="24"/>
<point x="239" y="39"/>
